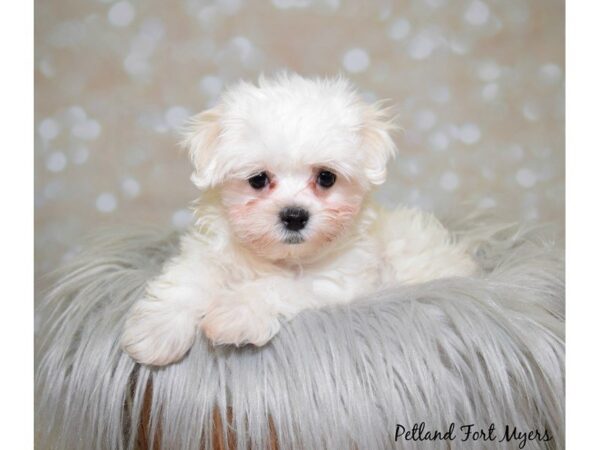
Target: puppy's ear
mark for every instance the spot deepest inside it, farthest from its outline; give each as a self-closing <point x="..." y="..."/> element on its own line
<point x="201" y="137"/>
<point x="377" y="142"/>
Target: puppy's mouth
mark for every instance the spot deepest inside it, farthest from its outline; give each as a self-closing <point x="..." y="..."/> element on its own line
<point x="293" y="238"/>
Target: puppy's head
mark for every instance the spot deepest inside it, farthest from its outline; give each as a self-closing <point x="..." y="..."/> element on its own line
<point x="292" y="160"/>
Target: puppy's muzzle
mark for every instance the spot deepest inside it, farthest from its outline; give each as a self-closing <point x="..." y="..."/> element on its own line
<point x="294" y="218"/>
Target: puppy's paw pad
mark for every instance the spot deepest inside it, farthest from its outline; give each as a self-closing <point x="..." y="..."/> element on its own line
<point x="239" y="324"/>
<point x="157" y="340"/>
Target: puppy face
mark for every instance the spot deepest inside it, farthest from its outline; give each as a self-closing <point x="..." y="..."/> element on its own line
<point x="292" y="160"/>
<point x="283" y="213"/>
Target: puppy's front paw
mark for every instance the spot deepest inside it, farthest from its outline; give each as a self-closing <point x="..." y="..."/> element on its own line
<point x="156" y="336"/>
<point x="239" y="323"/>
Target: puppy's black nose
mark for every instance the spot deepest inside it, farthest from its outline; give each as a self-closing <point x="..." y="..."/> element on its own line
<point x="294" y="219"/>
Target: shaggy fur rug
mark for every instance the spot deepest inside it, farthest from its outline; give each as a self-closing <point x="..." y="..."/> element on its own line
<point x="486" y="351"/>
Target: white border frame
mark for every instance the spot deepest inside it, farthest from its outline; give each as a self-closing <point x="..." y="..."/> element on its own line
<point x="583" y="222"/>
<point x="16" y="318"/>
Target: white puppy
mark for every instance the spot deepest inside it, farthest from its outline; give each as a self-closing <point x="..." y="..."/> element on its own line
<point x="285" y="222"/>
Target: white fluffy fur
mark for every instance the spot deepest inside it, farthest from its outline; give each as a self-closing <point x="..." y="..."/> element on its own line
<point x="237" y="276"/>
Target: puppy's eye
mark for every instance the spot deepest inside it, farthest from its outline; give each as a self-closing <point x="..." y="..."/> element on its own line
<point x="259" y="181"/>
<point x="326" y="179"/>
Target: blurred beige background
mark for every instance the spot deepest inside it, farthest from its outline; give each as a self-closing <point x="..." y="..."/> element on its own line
<point x="479" y="86"/>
